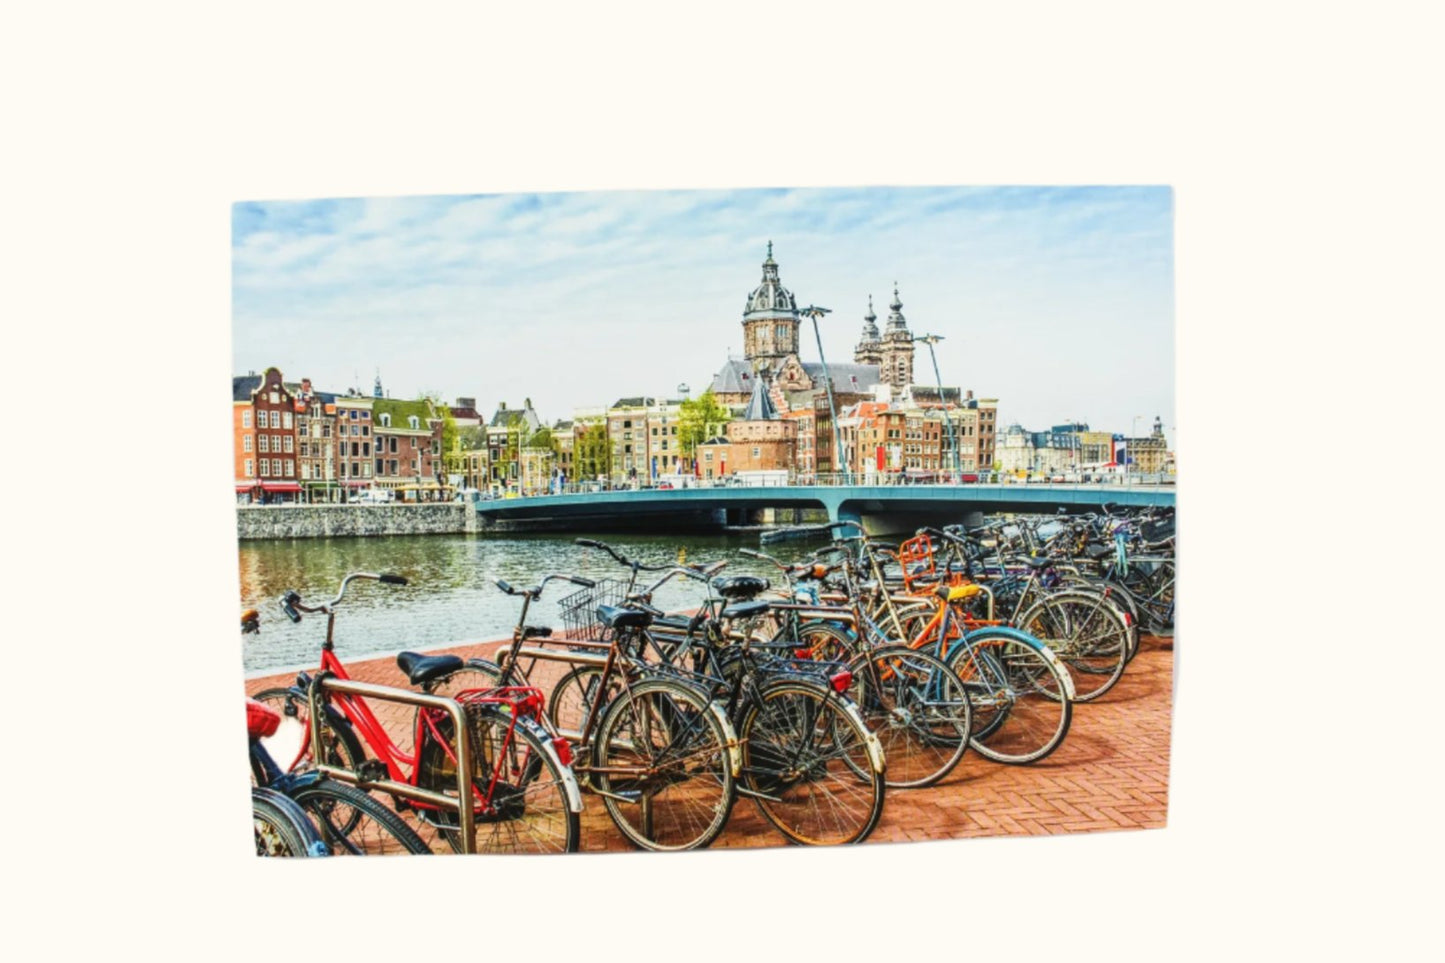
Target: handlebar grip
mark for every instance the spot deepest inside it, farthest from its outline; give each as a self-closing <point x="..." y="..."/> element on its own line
<point x="579" y="580"/>
<point x="587" y="543"/>
<point x="749" y="553"/>
<point x="392" y="579"/>
<point x="505" y="587"/>
<point x="288" y="602"/>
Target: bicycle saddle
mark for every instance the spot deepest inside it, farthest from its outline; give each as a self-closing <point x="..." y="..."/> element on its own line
<point x="956" y="593"/>
<point x="741" y="586"/>
<point x="421" y="669"/>
<point x="616" y="617"/>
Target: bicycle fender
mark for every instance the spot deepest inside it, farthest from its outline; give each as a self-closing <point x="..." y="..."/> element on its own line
<point x="996" y="631"/>
<point x="735" y="751"/>
<point x="875" y="748"/>
<point x="569" y="778"/>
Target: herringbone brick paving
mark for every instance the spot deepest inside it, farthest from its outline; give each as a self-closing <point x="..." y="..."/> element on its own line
<point x="1112" y="771"/>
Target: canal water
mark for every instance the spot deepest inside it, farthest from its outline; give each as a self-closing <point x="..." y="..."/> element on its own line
<point x="450" y="597"/>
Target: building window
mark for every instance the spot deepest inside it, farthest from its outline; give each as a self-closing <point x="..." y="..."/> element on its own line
<point x="246" y="443"/>
<point x="290" y="469"/>
<point x="385" y="419"/>
<point x="414" y="422"/>
<point x="285" y="419"/>
<point x="250" y="469"/>
<point x="246" y="418"/>
<point x="286" y="444"/>
<point x="265" y="464"/>
<point x="263" y="443"/>
<point x="757" y="453"/>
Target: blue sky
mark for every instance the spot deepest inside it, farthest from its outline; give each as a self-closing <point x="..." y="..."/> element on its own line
<point x="1057" y="301"/>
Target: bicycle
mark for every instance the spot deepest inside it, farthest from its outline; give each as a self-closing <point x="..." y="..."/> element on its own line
<point x="525" y="797"/>
<point x="809" y="762"/>
<point x="659" y="752"/>
<point x="280" y="825"/>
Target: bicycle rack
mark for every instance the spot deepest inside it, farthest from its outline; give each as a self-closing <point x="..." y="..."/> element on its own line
<point x="463" y="801"/>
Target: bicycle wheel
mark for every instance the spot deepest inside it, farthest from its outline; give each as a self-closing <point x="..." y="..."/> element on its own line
<point x="1087" y="633"/>
<point x="476" y="674"/>
<point x="825" y="642"/>
<point x="663" y="763"/>
<point x="281" y="826"/>
<point x="1020" y="695"/>
<point x="807" y="765"/>
<point x="574" y="696"/>
<point x="354" y="823"/>
<point x="918" y="709"/>
<point x="339" y="745"/>
<point x="520" y="791"/>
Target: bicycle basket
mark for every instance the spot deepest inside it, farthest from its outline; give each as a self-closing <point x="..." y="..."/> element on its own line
<point x="915" y="557"/>
<point x="579" y="610"/>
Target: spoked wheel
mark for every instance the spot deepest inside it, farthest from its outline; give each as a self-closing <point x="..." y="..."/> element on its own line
<point x="1020" y="696"/>
<point x="281" y="826"/>
<point x="917" y="708"/>
<point x="575" y="695"/>
<point x="809" y="766"/>
<point x="1087" y="633"/>
<point x="520" y="789"/>
<point x="664" y="767"/>
<point x="354" y="823"/>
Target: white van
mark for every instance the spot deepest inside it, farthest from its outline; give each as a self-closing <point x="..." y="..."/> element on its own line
<point x="375" y="496"/>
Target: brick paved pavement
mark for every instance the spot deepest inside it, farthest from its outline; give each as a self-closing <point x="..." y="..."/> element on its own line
<point x="1112" y="772"/>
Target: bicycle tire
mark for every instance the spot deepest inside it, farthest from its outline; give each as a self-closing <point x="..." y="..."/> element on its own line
<point x="919" y="710"/>
<point x="808" y="767"/>
<point x="529" y="810"/>
<point x="1086" y="633"/>
<point x="1020" y="693"/>
<point x="282" y="827"/>
<point x="354" y="823"/>
<point x="677" y="733"/>
<point x="572" y="698"/>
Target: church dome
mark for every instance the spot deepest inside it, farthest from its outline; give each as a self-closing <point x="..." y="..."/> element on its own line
<point x="770" y="299"/>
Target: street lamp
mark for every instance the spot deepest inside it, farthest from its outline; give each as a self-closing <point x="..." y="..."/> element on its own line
<point x="931" y="340"/>
<point x="815" y="313"/>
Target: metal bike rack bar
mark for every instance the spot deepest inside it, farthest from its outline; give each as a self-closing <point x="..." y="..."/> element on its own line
<point x="463" y="800"/>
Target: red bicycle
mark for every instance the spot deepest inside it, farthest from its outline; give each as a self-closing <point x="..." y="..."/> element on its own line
<point x="525" y="797"/>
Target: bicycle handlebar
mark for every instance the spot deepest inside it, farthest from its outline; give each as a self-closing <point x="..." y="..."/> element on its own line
<point x="290" y="600"/>
<point x="622" y="559"/>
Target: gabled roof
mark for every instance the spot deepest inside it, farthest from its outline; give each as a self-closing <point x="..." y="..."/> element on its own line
<point x="640" y="402"/>
<point x="401" y="411"/>
<point x="846" y="377"/>
<point x="242" y="386"/>
<point x="516" y="418"/>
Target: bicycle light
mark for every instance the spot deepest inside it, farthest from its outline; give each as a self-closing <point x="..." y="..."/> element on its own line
<point x="841" y="682"/>
<point x="564" y="750"/>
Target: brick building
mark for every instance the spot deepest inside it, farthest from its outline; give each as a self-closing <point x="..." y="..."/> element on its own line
<point x="406" y="439"/>
<point x="263" y="423"/>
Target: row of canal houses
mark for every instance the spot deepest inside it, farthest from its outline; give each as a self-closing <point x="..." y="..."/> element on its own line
<point x="294" y="442"/>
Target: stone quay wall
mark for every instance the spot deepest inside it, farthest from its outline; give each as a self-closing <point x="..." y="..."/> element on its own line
<point x="341" y="521"/>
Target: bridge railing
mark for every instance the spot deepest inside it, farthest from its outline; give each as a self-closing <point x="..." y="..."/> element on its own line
<point x="1062" y="480"/>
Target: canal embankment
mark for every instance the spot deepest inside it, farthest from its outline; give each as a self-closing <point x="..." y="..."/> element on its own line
<point x="342" y="521"/>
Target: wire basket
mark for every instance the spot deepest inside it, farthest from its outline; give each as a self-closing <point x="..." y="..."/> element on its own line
<point x="579" y="610"/>
<point x="915" y="556"/>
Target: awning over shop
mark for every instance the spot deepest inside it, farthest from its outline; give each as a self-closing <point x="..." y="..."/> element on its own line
<point x="280" y="486"/>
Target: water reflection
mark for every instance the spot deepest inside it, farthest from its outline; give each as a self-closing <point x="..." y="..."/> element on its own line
<point x="450" y="598"/>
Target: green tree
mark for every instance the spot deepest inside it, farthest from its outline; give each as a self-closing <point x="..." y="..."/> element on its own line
<point x="699" y="419"/>
<point x="591" y="452"/>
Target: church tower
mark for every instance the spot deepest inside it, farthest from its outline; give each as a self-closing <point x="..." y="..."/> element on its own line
<point x="897" y="348"/>
<point x="770" y="321"/>
<point x="870" y="346"/>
